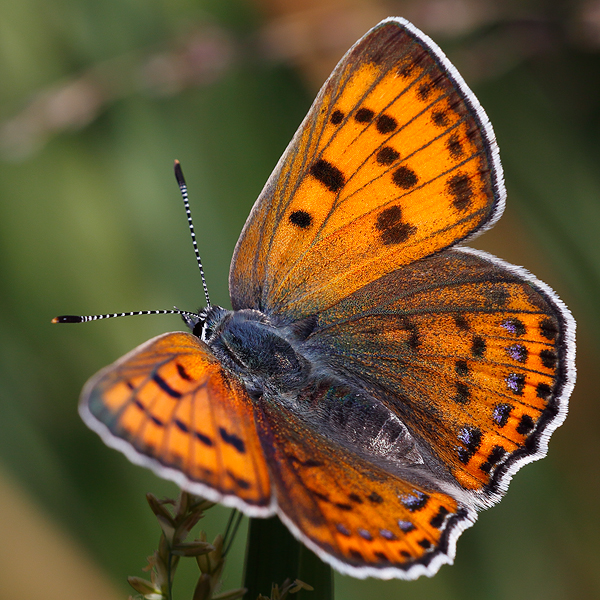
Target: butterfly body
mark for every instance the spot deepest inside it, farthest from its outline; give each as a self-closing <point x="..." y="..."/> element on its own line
<point x="376" y="383"/>
<point x="272" y="364"/>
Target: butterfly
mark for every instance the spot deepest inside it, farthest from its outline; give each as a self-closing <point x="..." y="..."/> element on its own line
<point x="376" y="383"/>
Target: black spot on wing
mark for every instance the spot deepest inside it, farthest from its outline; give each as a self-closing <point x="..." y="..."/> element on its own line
<point x="406" y="70"/>
<point x="459" y="186"/>
<point x="301" y="219"/>
<point x="364" y="115"/>
<point x="311" y="462"/>
<point x="525" y="425"/>
<point x="471" y="438"/>
<point x="165" y="387"/>
<point x="330" y="176"/>
<point x="232" y="440"/>
<point x="501" y="413"/>
<point x="478" y="347"/>
<point x="461" y="368"/>
<point x="494" y="457"/>
<point x="548" y="329"/>
<point x="183" y="373"/>
<point x="239" y="481"/>
<point x="156" y="420"/>
<point x="440" y="118"/>
<point x="356" y="554"/>
<point x="461" y="321"/>
<point x="543" y="390"/>
<point x="375" y="498"/>
<point x="203" y="438"/>
<point x="454" y="146"/>
<point x="337" y="116"/>
<point x="415" y="501"/>
<point x="463" y="394"/>
<point x="413" y="341"/>
<point x="391" y="227"/>
<point x="322" y="497"/>
<point x="181" y="426"/>
<point x="405" y="178"/>
<point x="515" y="382"/>
<point x="438" y="519"/>
<point x="518" y="352"/>
<point x="386" y="124"/>
<point x="548" y="358"/>
<point x="424" y="91"/>
<point x="513" y="326"/>
<point x="387" y="156"/>
<point x="406" y="526"/>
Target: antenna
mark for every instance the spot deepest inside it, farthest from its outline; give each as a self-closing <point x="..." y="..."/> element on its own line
<point x="84" y="319"/>
<point x="190" y="318"/>
<point x="184" y="195"/>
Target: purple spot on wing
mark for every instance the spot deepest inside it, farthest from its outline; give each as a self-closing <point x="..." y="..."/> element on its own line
<point x="387" y="534"/>
<point x="515" y="383"/>
<point x="415" y="501"/>
<point x="513" y="326"/>
<point x="406" y="526"/>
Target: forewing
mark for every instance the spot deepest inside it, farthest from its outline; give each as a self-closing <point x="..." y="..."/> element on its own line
<point x="170" y="406"/>
<point x="475" y="356"/>
<point x="354" y="514"/>
<point x="395" y="161"/>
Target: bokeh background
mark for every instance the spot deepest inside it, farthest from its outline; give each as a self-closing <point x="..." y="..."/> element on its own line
<point x="97" y="97"/>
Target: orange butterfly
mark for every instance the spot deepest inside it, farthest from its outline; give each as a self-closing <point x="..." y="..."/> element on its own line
<point x="376" y="384"/>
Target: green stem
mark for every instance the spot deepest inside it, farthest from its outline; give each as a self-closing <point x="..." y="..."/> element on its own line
<point x="273" y="555"/>
<point x="169" y="577"/>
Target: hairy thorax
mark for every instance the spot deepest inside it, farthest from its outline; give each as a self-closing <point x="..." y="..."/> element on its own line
<point x="258" y="352"/>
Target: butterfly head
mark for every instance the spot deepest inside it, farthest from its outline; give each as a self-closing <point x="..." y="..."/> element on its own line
<point x="204" y="323"/>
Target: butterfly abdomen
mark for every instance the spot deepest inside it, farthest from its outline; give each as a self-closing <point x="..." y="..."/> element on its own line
<point x="256" y="351"/>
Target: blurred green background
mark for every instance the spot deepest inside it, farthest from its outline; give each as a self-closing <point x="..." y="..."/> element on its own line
<point x="97" y="97"/>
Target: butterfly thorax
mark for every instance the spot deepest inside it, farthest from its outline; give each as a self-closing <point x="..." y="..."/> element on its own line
<point x="251" y="346"/>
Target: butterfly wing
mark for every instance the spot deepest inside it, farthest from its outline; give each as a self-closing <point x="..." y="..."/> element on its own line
<point x="474" y="356"/>
<point x="359" y="502"/>
<point x="170" y="406"/>
<point x="395" y="161"/>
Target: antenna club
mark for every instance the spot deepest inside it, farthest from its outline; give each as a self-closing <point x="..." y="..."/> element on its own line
<point x="179" y="174"/>
<point x="67" y="319"/>
<point x="186" y="205"/>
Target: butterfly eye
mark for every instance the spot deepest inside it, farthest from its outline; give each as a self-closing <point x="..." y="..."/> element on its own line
<point x="199" y="329"/>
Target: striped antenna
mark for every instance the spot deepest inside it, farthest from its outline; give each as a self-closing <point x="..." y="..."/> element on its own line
<point x="86" y="318"/>
<point x="190" y="318"/>
<point x="184" y="195"/>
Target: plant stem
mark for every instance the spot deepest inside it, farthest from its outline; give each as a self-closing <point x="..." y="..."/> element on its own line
<point x="169" y="576"/>
<point x="273" y="555"/>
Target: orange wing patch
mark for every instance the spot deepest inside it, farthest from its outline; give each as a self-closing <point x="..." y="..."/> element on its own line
<point x="392" y="164"/>
<point x="364" y="518"/>
<point x="178" y="409"/>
